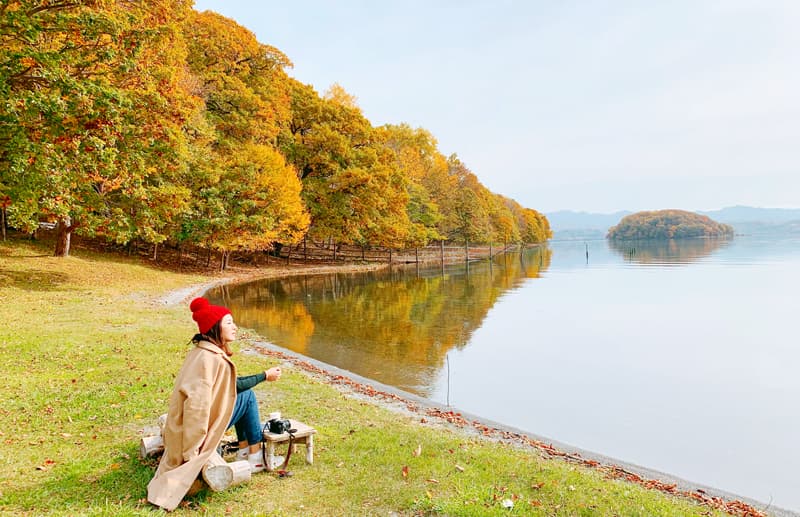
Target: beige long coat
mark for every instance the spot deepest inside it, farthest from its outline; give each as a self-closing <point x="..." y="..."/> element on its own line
<point x="200" y="409"/>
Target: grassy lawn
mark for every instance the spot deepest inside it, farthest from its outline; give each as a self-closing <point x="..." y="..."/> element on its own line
<point x="88" y="359"/>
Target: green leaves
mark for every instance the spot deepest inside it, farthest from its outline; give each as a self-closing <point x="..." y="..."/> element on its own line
<point x="150" y="121"/>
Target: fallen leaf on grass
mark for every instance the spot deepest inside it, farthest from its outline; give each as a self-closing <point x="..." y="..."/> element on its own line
<point x="47" y="464"/>
<point x="537" y="486"/>
<point x="417" y="451"/>
<point x="535" y="503"/>
<point x="432" y="480"/>
<point x="459" y="468"/>
<point x="405" y="471"/>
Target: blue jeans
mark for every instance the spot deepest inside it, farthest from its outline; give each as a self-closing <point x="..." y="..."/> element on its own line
<point x="245" y="418"/>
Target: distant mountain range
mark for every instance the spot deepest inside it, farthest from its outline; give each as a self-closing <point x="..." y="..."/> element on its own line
<point x="568" y="224"/>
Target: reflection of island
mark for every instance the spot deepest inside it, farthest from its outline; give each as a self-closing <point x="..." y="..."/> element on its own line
<point x="393" y="326"/>
<point x="671" y="251"/>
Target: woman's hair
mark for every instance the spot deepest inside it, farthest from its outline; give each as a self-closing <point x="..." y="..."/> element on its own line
<point x="214" y="335"/>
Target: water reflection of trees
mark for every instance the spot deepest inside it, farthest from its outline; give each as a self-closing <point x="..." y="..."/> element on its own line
<point x="667" y="251"/>
<point x="394" y="326"/>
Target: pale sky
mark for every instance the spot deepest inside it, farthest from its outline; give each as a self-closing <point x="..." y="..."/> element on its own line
<point x="560" y="104"/>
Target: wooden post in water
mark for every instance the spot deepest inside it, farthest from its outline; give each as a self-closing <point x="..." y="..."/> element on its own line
<point x="466" y="250"/>
<point x="441" y="251"/>
<point x="305" y="250"/>
<point x="416" y="255"/>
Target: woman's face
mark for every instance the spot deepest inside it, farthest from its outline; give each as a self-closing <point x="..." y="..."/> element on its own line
<point x="227" y="329"/>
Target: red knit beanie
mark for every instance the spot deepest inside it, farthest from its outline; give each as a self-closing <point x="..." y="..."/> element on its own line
<point x="205" y="314"/>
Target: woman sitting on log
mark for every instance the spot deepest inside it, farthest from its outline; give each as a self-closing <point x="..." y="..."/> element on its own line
<point x="207" y="399"/>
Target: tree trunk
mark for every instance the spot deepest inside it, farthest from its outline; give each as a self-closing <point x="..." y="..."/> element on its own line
<point x="3" y="218"/>
<point x="63" y="237"/>
<point x="155" y="252"/>
<point x="466" y="250"/>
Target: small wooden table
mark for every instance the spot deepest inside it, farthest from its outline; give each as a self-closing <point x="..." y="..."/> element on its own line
<point x="304" y="435"/>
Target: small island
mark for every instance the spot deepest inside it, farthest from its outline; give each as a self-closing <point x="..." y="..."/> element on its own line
<point x="668" y="224"/>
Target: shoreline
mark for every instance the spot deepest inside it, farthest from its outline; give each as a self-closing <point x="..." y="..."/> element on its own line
<point x="237" y="275"/>
<point x="394" y="399"/>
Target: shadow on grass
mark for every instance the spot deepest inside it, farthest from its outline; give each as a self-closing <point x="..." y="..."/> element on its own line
<point x="118" y="488"/>
<point x="33" y="280"/>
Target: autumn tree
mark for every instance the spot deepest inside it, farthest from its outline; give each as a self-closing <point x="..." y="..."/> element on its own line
<point x="505" y="226"/>
<point x="468" y="220"/>
<point x="416" y="156"/>
<point x="351" y="185"/>
<point x="248" y="197"/>
<point x="92" y="104"/>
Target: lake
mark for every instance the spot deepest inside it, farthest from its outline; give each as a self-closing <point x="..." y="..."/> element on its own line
<point x="680" y="356"/>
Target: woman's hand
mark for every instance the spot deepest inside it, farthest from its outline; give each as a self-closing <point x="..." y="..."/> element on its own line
<point x="273" y="374"/>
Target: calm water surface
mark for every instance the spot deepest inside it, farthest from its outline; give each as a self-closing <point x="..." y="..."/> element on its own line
<point x="679" y="356"/>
